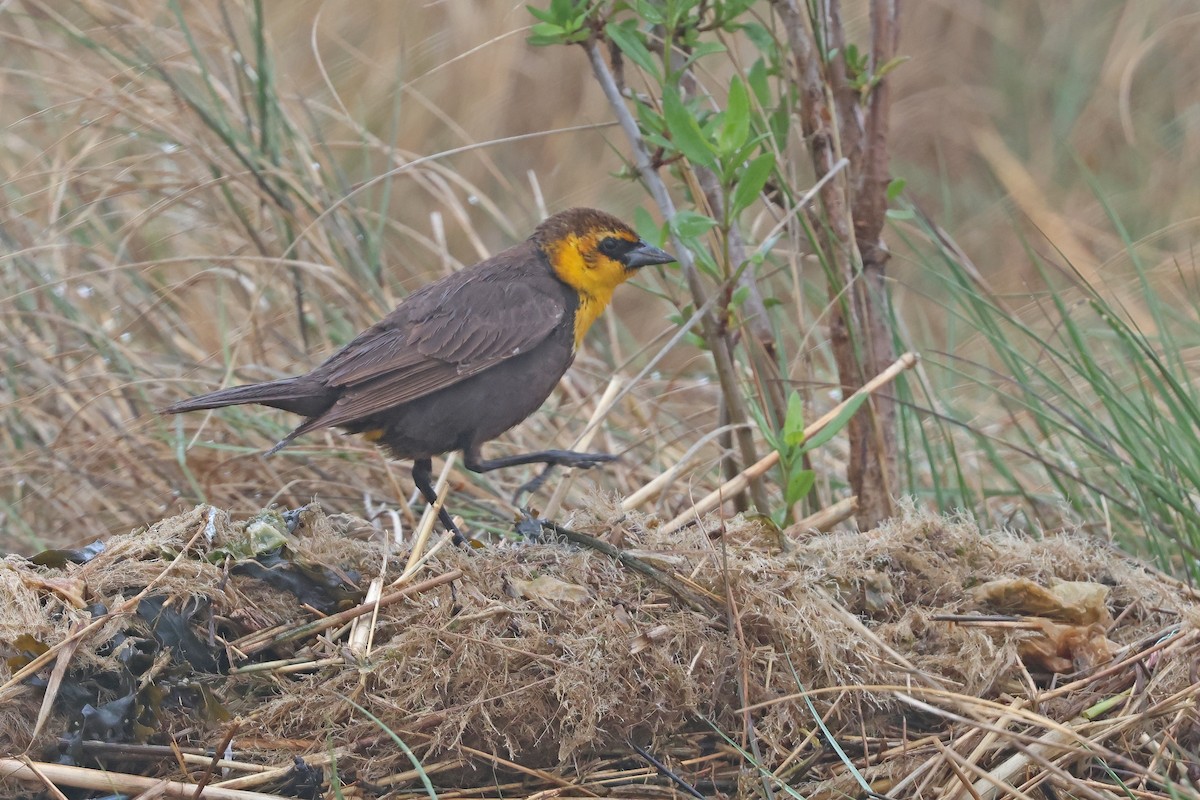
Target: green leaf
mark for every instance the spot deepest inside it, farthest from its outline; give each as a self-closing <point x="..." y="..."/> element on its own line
<point x="732" y="9"/>
<point x="564" y="9"/>
<point x="546" y="33"/>
<point x="649" y="120"/>
<point x="707" y="262"/>
<point x="763" y="39"/>
<point x="762" y="251"/>
<point x="888" y="67"/>
<point x="658" y="140"/>
<point x="736" y="128"/>
<point x="562" y="23"/>
<point x="757" y="79"/>
<point x="702" y="49"/>
<point x="855" y="60"/>
<point x="835" y="426"/>
<point x="780" y="122"/>
<point x="685" y="131"/>
<point x="649" y="230"/>
<point x="691" y="224"/>
<point x="681" y="316"/>
<point x="627" y="37"/>
<point x="894" y="188"/>
<point x="651" y="11"/>
<point x="800" y="483"/>
<point x="793" y="422"/>
<point x="544" y="16"/>
<point x="768" y="433"/>
<point x="751" y="184"/>
<point x="678" y="12"/>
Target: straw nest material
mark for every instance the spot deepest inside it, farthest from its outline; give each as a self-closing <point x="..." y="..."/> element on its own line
<point x="922" y="659"/>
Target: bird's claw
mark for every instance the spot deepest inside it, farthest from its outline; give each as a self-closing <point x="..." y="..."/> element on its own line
<point x="589" y="460"/>
<point x="571" y="460"/>
<point x="528" y="526"/>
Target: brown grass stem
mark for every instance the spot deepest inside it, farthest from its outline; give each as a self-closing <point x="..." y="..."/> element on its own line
<point x="107" y="780"/>
<point x="342" y="617"/>
<point x="737" y="484"/>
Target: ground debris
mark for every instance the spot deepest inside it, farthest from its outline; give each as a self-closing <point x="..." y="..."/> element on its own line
<point x="538" y="665"/>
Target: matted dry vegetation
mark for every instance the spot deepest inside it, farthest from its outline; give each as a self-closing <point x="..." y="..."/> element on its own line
<point x="163" y="237"/>
<point x="154" y="250"/>
<point x="544" y="666"/>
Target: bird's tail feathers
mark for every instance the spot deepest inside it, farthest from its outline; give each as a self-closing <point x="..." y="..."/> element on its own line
<point x="299" y="395"/>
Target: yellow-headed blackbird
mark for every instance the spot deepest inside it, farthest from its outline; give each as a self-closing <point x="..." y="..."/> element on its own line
<point x="464" y="359"/>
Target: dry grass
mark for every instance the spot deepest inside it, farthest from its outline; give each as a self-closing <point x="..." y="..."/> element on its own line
<point x="176" y="218"/>
<point x="147" y="241"/>
<point x="1007" y="109"/>
<point x="541" y="664"/>
<point x="174" y="221"/>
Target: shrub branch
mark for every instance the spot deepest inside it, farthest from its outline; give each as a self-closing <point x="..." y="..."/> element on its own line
<point x="850" y="221"/>
<point x="717" y="340"/>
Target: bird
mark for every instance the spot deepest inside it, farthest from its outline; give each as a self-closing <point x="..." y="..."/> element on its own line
<point x="463" y="359"/>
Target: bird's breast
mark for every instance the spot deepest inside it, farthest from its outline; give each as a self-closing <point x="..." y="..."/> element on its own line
<point x="589" y="310"/>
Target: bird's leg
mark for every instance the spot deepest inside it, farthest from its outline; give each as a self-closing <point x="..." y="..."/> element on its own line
<point x="474" y="461"/>
<point x="422" y="474"/>
<point x="531" y="486"/>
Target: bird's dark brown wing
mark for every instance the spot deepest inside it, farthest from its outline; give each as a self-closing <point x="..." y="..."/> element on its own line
<point x="444" y="333"/>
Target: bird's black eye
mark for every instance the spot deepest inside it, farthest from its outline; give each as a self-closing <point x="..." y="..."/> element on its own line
<point x="614" y="247"/>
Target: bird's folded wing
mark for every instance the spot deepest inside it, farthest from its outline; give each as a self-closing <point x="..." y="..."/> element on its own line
<point x="436" y="343"/>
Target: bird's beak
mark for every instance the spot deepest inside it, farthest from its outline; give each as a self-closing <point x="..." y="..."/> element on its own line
<point x="644" y="255"/>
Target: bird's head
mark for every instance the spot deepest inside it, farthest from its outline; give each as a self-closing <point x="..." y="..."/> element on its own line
<point x="594" y="252"/>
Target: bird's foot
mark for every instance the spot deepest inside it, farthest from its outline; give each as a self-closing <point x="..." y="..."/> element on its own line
<point x="529" y="487"/>
<point x="459" y="539"/>
<point x="528" y="526"/>
<point x="565" y="458"/>
<point x="468" y="543"/>
<point x="585" y="460"/>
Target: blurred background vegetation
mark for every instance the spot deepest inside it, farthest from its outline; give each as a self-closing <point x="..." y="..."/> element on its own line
<point x="198" y="194"/>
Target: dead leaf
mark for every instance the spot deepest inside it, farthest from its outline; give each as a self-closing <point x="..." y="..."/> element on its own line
<point x="646" y="639"/>
<point x="549" y="590"/>
<point x="1064" y="648"/>
<point x="1076" y="602"/>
